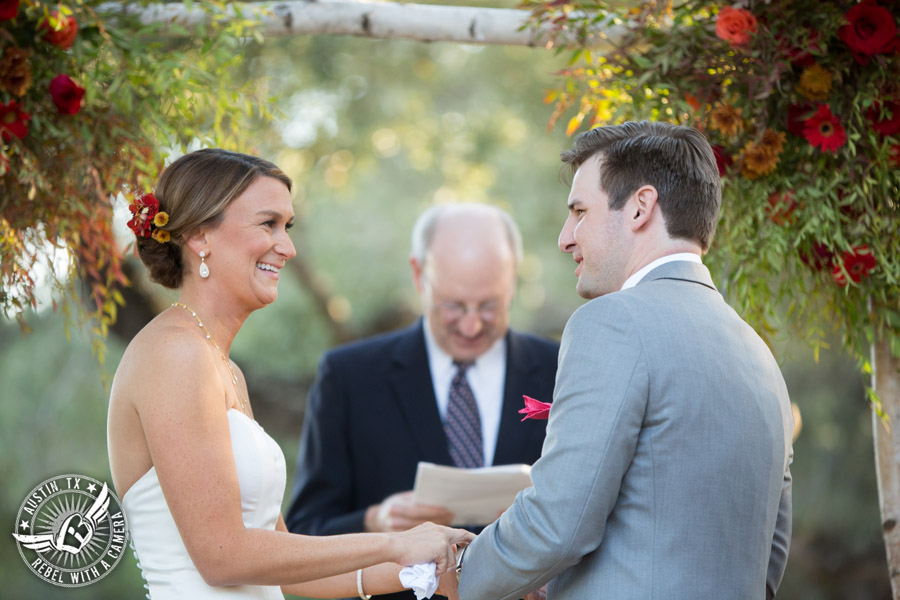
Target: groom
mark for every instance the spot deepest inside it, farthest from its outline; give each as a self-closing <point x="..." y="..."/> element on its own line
<point x="665" y="471"/>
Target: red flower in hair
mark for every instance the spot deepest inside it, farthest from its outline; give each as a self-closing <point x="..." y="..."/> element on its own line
<point x="59" y="30"/>
<point x="13" y="121"/>
<point x="870" y="30"/>
<point x="66" y="94"/>
<point x="535" y="409"/>
<point x="142" y="212"/>
<point x="8" y="9"/>
<point x="857" y="263"/>
<point x="824" y="131"/>
<point x="887" y="125"/>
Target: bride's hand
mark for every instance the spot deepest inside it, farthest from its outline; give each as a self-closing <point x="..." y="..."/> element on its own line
<point x="429" y="543"/>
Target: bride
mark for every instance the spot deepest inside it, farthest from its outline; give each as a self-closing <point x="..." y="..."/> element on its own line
<point x="201" y="482"/>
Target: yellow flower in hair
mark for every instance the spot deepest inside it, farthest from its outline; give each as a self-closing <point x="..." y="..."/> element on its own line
<point x="161" y="235"/>
<point x="161" y="219"/>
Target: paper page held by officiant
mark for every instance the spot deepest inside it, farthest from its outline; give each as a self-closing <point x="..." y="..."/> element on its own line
<point x="474" y="496"/>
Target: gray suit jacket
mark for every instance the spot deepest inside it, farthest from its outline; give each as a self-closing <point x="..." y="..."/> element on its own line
<point x="665" y="471"/>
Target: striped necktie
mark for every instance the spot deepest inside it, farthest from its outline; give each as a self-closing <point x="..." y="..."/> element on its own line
<point x="463" y="424"/>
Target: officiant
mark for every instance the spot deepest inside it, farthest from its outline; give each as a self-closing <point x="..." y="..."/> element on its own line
<point x="446" y="390"/>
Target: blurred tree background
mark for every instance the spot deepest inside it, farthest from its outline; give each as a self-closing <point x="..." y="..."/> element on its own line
<point x="372" y="132"/>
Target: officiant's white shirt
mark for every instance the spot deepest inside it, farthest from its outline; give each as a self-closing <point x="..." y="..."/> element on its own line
<point x="486" y="377"/>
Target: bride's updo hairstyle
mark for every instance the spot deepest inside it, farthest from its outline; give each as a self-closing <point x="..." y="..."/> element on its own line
<point x="195" y="190"/>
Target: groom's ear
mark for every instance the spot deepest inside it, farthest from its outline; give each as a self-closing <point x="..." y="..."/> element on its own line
<point x="641" y="207"/>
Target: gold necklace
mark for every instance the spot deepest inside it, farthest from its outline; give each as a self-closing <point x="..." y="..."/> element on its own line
<point x="222" y="354"/>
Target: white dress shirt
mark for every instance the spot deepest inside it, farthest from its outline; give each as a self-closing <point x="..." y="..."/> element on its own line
<point x="638" y="275"/>
<point x="486" y="376"/>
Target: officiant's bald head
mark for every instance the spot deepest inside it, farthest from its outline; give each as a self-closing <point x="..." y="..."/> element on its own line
<point x="464" y="259"/>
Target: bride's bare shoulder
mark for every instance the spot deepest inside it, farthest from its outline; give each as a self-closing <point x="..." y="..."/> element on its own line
<point x="163" y="353"/>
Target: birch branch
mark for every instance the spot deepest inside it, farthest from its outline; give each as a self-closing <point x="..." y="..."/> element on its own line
<point x="383" y="20"/>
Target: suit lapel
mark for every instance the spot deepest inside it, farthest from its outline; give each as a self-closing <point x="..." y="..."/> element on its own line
<point x="521" y="376"/>
<point x="413" y="391"/>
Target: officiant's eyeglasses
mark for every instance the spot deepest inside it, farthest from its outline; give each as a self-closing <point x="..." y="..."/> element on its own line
<point x="450" y="310"/>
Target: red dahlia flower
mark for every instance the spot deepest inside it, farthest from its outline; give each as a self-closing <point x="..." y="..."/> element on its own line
<point x="870" y="30"/>
<point x="887" y="125"/>
<point x="735" y="25"/>
<point x="8" y="9"/>
<point x="59" y="30"/>
<point x="857" y="263"/>
<point x="824" y="131"/>
<point x="143" y="210"/>
<point x="13" y="121"/>
<point x="66" y="94"/>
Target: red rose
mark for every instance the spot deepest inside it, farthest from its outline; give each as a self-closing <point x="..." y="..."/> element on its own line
<point x="8" y="9"/>
<point x="824" y="131"/>
<point x="59" y="30"/>
<point x="857" y="263"/>
<point x="870" y="30"/>
<point x="66" y="94"/>
<point x="887" y="125"/>
<point x="735" y="25"/>
<point x="782" y="207"/>
<point x="13" y="121"/>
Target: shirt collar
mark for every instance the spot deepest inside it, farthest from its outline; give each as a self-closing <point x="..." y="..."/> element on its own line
<point x="636" y="277"/>
<point x="441" y="362"/>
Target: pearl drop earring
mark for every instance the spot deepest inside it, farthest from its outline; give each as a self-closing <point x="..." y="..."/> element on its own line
<point x="204" y="270"/>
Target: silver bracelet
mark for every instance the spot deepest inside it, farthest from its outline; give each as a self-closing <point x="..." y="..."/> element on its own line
<point x="359" y="589"/>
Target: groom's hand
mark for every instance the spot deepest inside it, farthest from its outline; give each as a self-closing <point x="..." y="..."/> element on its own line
<point x="400" y="512"/>
<point x="540" y="594"/>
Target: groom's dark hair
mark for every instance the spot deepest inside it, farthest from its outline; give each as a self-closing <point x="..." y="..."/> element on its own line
<point x="677" y="160"/>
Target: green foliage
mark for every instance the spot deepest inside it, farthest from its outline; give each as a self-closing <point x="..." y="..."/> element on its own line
<point x="809" y="220"/>
<point x="143" y="92"/>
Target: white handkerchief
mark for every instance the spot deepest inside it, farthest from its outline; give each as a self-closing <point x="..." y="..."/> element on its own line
<point x="421" y="579"/>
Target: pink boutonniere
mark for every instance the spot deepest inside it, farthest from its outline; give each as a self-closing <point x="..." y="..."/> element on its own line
<point x="535" y="409"/>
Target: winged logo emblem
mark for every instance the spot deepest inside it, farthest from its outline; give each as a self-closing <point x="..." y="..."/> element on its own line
<point x="76" y="531"/>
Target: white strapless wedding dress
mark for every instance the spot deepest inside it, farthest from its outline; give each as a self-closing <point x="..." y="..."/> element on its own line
<point x="168" y="570"/>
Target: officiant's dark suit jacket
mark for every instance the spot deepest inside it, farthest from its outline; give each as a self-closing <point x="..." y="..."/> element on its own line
<point x="372" y="416"/>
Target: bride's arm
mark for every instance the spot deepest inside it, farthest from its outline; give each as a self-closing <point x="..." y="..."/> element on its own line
<point x="376" y="580"/>
<point x="180" y="398"/>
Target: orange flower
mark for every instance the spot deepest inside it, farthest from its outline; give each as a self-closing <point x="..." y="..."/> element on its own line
<point x="161" y="219"/>
<point x="161" y="235"/>
<point x="815" y="83"/>
<point x="15" y="71"/>
<point x="757" y="160"/>
<point x="726" y="119"/>
<point x="735" y="25"/>
<point x="782" y="208"/>
<point x="772" y="142"/>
